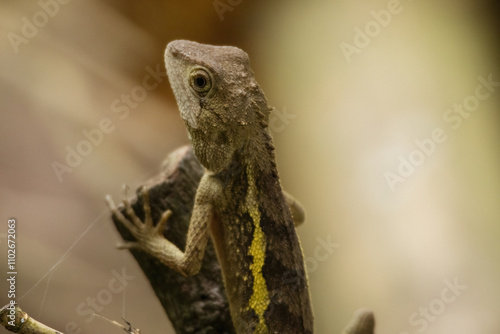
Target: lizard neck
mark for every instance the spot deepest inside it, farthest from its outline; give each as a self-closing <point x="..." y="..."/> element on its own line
<point x="220" y="140"/>
<point x="255" y="157"/>
<point x="258" y="154"/>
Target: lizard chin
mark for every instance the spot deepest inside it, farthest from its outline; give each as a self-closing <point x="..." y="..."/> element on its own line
<point x="214" y="160"/>
<point x="213" y="149"/>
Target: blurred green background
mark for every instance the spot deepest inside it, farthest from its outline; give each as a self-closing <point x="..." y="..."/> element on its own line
<point x="360" y="89"/>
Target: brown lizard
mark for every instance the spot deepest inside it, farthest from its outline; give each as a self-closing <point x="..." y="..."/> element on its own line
<point x="239" y="201"/>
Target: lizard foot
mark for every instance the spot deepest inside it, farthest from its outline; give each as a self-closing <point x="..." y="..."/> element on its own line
<point x="145" y="232"/>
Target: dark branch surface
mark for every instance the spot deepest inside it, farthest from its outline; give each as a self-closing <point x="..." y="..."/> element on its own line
<point x="194" y="304"/>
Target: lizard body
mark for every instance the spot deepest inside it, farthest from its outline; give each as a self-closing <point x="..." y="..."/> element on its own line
<point x="239" y="202"/>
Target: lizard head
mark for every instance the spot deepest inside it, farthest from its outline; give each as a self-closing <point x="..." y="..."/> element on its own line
<point x="219" y="99"/>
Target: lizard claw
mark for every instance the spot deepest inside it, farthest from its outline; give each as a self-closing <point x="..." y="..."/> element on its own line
<point x="163" y="222"/>
<point x="142" y="232"/>
<point x="148" y="220"/>
<point x="117" y="213"/>
<point x="128" y="208"/>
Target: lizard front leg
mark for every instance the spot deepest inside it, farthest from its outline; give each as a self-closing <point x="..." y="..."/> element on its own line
<point x="150" y="239"/>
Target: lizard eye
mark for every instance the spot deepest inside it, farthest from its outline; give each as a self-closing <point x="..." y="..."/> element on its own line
<point x="200" y="81"/>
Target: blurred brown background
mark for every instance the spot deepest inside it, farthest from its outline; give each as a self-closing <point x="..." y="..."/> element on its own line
<point x="355" y="85"/>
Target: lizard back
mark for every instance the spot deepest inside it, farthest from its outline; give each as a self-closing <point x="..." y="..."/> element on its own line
<point x="259" y="250"/>
<point x="226" y="115"/>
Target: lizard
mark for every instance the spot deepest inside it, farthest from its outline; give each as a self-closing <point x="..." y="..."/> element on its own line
<point x="239" y="201"/>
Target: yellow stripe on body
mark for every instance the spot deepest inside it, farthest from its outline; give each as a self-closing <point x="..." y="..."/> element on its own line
<point x="259" y="301"/>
